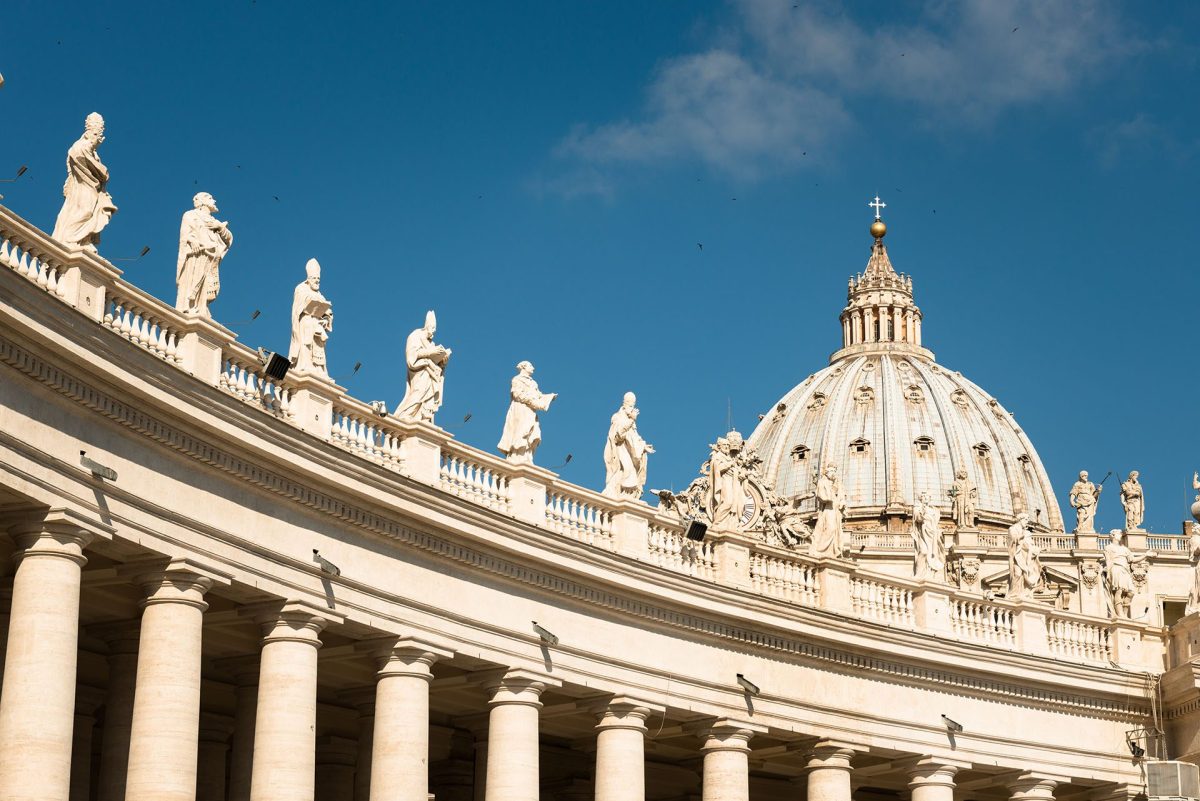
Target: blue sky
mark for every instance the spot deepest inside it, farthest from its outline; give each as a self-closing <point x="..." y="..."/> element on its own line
<point x="541" y="174"/>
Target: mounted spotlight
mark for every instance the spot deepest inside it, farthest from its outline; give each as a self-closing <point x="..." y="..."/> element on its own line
<point x="326" y="565"/>
<point x="952" y="725"/>
<point x="547" y="636"/>
<point x="696" y="530"/>
<point x="1135" y="749"/>
<point x="277" y="366"/>
<point x="96" y="468"/>
<point x="748" y="685"/>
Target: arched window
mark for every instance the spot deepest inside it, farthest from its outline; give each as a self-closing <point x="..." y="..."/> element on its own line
<point x="799" y="453"/>
<point x="983" y="450"/>
<point x="923" y="444"/>
<point x="860" y="445"/>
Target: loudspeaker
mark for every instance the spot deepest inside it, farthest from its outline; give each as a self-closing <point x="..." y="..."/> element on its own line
<point x="696" y="530"/>
<point x="277" y="367"/>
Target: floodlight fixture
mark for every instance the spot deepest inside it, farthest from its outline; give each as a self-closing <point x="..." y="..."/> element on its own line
<point x="547" y="636"/>
<point x="952" y="725"/>
<point x="748" y="685"/>
<point x="145" y="250"/>
<point x="96" y="468"/>
<point x="20" y="171"/>
<point x="326" y="565"/>
<point x="277" y="366"/>
<point x="696" y="529"/>
<point x="1135" y="749"/>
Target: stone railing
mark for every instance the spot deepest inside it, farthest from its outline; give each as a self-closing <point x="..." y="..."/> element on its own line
<point x="537" y="497"/>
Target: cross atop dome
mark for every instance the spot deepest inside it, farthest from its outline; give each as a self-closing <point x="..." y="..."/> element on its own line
<point x="879" y="206"/>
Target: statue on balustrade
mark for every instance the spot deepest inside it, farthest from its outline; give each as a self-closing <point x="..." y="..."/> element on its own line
<point x="203" y="242"/>
<point x="1134" y="502"/>
<point x="1193" y="604"/>
<point x="87" y="207"/>
<point x="522" y="433"/>
<point x="725" y="497"/>
<point x="625" y="453"/>
<point x="1024" y="560"/>
<point x="930" y="557"/>
<point x="312" y="320"/>
<point x="964" y="497"/>
<point x="1084" y="497"/>
<point x="828" y="539"/>
<point x="426" y="373"/>
<point x="1117" y="561"/>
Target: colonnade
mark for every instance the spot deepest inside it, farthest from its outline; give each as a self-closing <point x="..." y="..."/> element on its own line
<point x="160" y="746"/>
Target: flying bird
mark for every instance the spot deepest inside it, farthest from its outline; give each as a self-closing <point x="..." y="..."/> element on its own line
<point x="700" y="245"/>
<point x="276" y="198"/>
<point x="1014" y="30"/>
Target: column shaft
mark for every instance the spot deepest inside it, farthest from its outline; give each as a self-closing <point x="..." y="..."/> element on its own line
<point x="726" y="772"/>
<point x="37" y="704"/>
<point x="81" y="756"/>
<point x="213" y="757"/>
<point x="241" y="753"/>
<point x="512" y="765"/>
<point x="122" y="642"/>
<point x="829" y="772"/>
<point x="621" y="750"/>
<point x="164" y="735"/>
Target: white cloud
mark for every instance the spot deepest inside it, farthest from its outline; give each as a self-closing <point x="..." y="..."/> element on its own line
<point x="783" y="84"/>
<point x="718" y="108"/>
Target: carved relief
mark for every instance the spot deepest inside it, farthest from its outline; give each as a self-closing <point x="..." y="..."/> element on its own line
<point x="965" y="572"/>
<point x="817" y="402"/>
<point x="864" y="395"/>
<point x="959" y="398"/>
<point x="1089" y="573"/>
<point x="914" y="394"/>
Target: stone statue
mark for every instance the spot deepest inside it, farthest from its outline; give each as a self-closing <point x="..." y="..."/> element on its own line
<point x="1134" y="502"/>
<point x="1024" y="560"/>
<point x="964" y="497"/>
<point x="1085" y="497"/>
<point x="1193" y="604"/>
<point x="930" y="557"/>
<point x="203" y="242"/>
<point x="522" y="433"/>
<point x="1117" y="561"/>
<point x="828" y="540"/>
<point x="625" y="453"/>
<point x="426" y="373"/>
<point x="312" y="320"/>
<point x="86" y="206"/>
<point x="725" y="496"/>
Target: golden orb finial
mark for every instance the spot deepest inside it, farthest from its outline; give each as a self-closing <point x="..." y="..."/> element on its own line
<point x="878" y="229"/>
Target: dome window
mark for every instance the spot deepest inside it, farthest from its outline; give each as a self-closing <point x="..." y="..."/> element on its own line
<point x="914" y="394"/>
<point x="864" y="395"/>
<point x="923" y="444"/>
<point x="860" y="445"/>
<point x="799" y="453"/>
<point x="1026" y="463"/>
<point x="983" y="450"/>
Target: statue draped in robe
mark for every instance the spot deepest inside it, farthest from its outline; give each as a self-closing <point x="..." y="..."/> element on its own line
<point x="1024" y="560"/>
<point x="965" y="496"/>
<point x="828" y="539"/>
<point x="312" y="320"/>
<point x="1084" y="497"/>
<point x="426" y="373"/>
<point x="203" y="242"/>
<point x="1134" y="502"/>
<point x="1193" y="604"/>
<point x="87" y="207"/>
<point x="625" y="453"/>
<point x="1117" y="559"/>
<point x="522" y="432"/>
<point x="725" y="496"/>
<point x="930" y="556"/>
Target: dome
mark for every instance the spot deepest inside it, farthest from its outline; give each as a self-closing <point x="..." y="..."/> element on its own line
<point x="896" y="424"/>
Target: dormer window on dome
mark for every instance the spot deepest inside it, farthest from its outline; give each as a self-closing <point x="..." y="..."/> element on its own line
<point x="983" y="450"/>
<point x="923" y="444"/>
<point x="860" y="445"/>
<point x="799" y="453"/>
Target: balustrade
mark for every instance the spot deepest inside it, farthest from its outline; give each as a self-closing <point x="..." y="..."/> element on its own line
<point x="141" y="324"/>
<point x="883" y="540"/>
<point x="360" y="429"/>
<point x="976" y="621"/>
<point x="244" y="377"/>
<point x="34" y="263"/>
<point x="670" y="549"/>
<point x="785" y="578"/>
<point x="876" y="600"/>
<point x="578" y="519"/>
<point x="468" y="478"/>
<point x="1078" y="640"/>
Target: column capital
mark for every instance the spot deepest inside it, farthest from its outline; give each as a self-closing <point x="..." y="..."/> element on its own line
<point x="934" y="771"/>
<point x="292" y="621"/>
<point x="832" y="754"/>
<point x="1034" y="786"/>
<point x="56" y="532"/>
<point x="625" y="712"/>
<point x="173" y="580"/>
<point x="405" y="656"/>
<point x="729" y="734"/>
<point x="516" y="686"/>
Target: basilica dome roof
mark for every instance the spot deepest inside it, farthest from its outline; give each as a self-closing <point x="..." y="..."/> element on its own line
<point x="896" y="424"/>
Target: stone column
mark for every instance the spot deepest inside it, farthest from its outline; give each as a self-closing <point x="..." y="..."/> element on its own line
<point x="932" y="779"/>
<point x="285" y="723"/>
<point x="37" y="707"/>
<point x="87" y="701"/>
<point x="400" y="749"/>
<point x="164" y="735"/>
<point x="1028" y="787"/>
<point x="335" y="769"/>
<point x="241" y="751"/>
<point x="829" y="771"/>
<point x="122" y="639"/>
<point x="726" y="773"/>
<point x="621" y="749"/>
<point x="213" y="756"/>
<point x="512" y="765"/>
